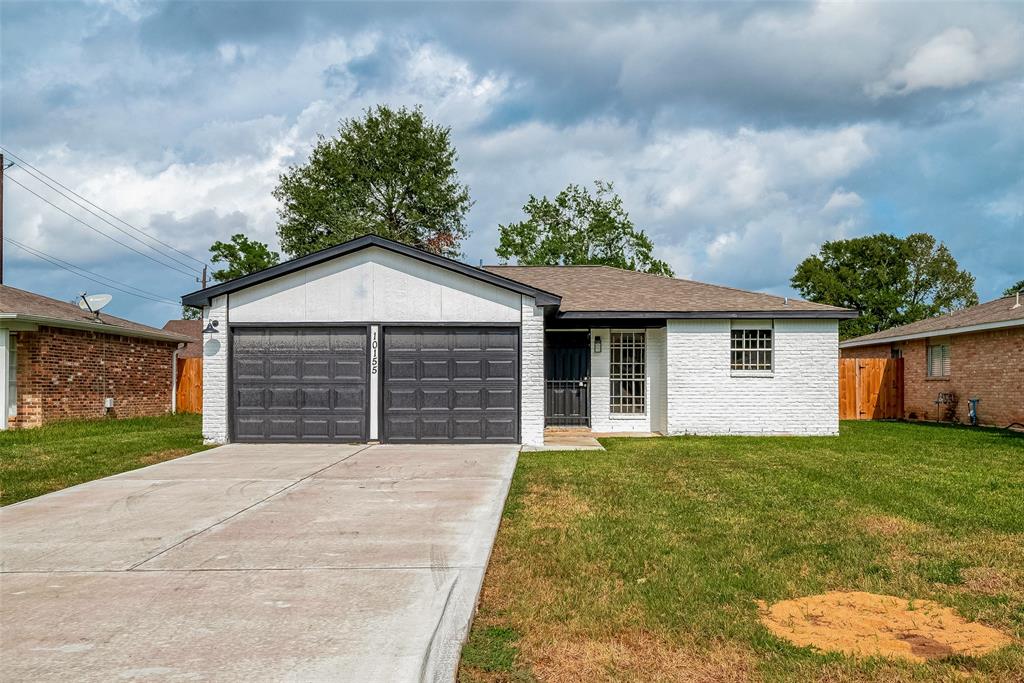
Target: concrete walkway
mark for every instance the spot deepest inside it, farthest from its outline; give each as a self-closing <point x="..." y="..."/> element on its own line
<point x="254" y="563"/>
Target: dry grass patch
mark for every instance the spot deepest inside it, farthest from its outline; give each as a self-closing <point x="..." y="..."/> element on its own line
<point x="553" y="508"/>
<point x="635" y="656"/>
<point x="887" y="525"/>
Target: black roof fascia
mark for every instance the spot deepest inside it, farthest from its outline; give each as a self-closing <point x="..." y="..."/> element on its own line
<point x="643" y="315"/>
<point x="202" y="297"/>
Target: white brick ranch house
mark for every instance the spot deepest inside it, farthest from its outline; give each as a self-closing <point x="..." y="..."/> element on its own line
<point x="376" y="340"/>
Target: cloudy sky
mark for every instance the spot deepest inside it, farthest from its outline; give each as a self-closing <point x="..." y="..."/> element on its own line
<point x="740" y="136"/>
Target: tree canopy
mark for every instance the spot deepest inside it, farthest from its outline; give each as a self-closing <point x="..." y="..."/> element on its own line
<point x="579" y="228"/>
<point x="390" y="172"/>
<point x="890" y="280"/>
<point x="1013" y="289"/>
<point x="241" y="257"/>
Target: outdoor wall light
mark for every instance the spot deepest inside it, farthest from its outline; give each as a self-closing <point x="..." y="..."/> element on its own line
<point x="597" y="344"/>
<point x="211" y="327"/>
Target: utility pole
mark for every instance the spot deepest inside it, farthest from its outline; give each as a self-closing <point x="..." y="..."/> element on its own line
<point x="204" y="272"/>
<point x="1" y="218"/>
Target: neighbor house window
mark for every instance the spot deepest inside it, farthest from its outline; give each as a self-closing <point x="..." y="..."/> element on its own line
<point x="938" y="358"/>
<point x="627" y="370"/>
<point x="751" y="348"/>
<point x="12" y="379"/>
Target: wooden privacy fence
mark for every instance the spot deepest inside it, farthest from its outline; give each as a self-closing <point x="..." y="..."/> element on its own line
<point x="189" y="392"/>
<point x="870" y="388"/>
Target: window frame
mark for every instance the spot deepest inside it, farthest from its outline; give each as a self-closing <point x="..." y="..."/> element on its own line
<point x="12" y="375"/>
<point x="616" y="402"/>
<point x="751" y="336"/>
<point x="945" y="361"/>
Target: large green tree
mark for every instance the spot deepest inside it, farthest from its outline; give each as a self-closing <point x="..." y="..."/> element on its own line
<point x="890" y="280"/>
<point x="579" y="228"/>
<point x="390" y="172"/>
<point x="241" y="256"/>
<point x="1013" y="289"/>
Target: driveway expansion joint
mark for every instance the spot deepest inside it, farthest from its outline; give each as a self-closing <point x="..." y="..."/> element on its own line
<point x="248" y="507"/>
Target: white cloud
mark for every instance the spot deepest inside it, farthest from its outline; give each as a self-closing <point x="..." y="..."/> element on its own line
<point x="840" y="200"/>
<point x="953" y="59"/>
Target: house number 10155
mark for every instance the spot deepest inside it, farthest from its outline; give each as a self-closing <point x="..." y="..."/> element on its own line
<point x="373" y="352"/>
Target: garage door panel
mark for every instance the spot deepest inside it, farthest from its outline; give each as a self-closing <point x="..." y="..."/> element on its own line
<point x="446" y="384"/>
<point x="433" y="399"/>
<point x="435" y="369"/>
<point x="469" y="369"/>
<point x="500" y="369"/>
<point x="397" y="369"/>
<point x="500" y="399"/>
<point x="300" y="384"/>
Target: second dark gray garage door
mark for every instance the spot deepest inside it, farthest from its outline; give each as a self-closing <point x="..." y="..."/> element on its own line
<point x="451" y="384"/>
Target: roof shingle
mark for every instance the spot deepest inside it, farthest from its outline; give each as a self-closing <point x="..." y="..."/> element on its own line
<point x="995" y="311"/>
<point x="18" y="302"/>
<point x="607" y="289"/>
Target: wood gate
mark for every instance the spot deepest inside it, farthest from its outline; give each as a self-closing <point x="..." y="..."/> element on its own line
<point x="189" y="392"/>
<point x="870" y="388"/>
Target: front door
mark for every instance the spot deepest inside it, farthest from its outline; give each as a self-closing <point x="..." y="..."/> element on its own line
<point x="567" y="379"/>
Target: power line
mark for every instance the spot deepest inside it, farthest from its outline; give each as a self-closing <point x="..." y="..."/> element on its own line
<point x="26" y="166"/>
<point x="55" y="261"/>
<point x="115" y="227"/>
<point x="97" y="230"/>
<point x="41" y="253"/>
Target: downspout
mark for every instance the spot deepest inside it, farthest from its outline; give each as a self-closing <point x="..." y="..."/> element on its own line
<point x="174" y="379"/>
<point x="5" y="364"/>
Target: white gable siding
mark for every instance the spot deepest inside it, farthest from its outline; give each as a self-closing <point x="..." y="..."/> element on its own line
<point x="800" y="397"/>
<point x="375" y="285"/>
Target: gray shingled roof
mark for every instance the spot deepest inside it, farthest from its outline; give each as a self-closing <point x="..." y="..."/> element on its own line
<point x="189" y="328"/>
<point x="19" y="304"/>
<point x="607" y="289"/>
<point x="1002" y="310"/>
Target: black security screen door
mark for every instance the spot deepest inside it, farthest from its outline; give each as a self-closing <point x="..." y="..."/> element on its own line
<point x="450" y="384"/>
<point x="299" y="384"/>
<point x="567" y="379"/>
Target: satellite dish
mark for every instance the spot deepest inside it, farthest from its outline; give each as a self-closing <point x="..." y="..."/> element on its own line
<point x="93" y="302"/>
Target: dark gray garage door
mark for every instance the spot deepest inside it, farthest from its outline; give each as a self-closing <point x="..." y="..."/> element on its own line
<point x="444" y="384"/>
<point x="299" y="384"/>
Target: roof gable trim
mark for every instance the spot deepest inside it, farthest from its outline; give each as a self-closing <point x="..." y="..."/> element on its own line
<point x="202" y="297"/>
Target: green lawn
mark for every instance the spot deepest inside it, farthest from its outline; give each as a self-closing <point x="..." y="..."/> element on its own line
<point x="38" y="461"/>
<point x="646" y="562"/>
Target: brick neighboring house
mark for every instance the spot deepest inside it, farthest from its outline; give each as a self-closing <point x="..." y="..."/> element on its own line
<point x="977" y="352"/>
<point x="58" y="362"/>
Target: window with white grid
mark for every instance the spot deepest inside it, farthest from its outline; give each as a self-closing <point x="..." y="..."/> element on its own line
<point x="751" y="349"/>
<point x="627" y="370"/>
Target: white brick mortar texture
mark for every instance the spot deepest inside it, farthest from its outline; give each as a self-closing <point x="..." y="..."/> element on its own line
<point x="215" y="373"/>
<point x="800" y="397"/>
<point x="531" y="409"/>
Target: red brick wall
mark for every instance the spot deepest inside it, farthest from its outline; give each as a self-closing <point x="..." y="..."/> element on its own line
<point x="64" y="374"/>
<point x="876" y="351"/>
<point x="986" y="365"/>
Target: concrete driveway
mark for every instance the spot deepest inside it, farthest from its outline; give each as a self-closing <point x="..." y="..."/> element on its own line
<point x="246" y="562"/>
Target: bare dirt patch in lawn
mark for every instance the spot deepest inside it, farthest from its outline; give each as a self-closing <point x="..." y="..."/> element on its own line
<point x="553" y="508"/>
<point x="636" y="656"/>
<point x="866" y="624"/>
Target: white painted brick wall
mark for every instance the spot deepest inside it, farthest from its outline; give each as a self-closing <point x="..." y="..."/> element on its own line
<point x="531" y="409"/>
<point x="215" y="373"/>
<point x="601" y="419"/>
<point x="656" y="364"/>
<point x="705" y="397"/>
